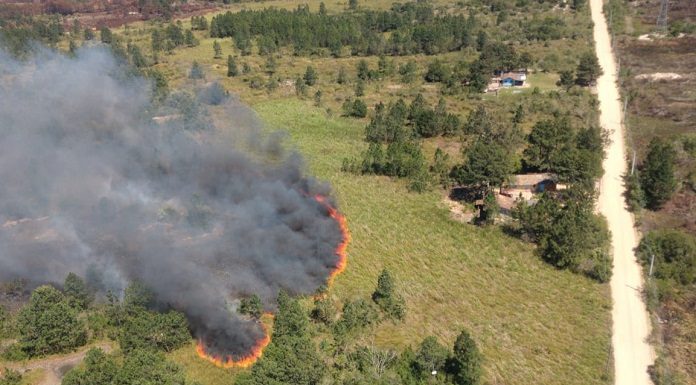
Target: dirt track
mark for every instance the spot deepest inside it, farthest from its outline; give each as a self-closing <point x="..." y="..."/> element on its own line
<point x="631" y="325"/>
<point x="56" y="367"/>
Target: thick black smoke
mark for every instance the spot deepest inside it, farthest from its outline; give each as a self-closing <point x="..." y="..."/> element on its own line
<point x="201" y="207"/>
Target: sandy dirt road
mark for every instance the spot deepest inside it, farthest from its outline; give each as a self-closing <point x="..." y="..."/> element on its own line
<point x="631" y="325"/>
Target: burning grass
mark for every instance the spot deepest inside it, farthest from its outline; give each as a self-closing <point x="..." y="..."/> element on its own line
<point x="247" y="360"/>
<point x="256" y="352"/>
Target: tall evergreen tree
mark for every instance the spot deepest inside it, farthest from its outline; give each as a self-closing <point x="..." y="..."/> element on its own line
<point x="105" y="35"/>
<point x="588" y="69"/>
<point x="466" y="360"/>
<point x="310" y="76"/>
<point x="657" y="174"/>
<point x="232" y="69"/>
<point x="217" y="48"/>
<point x="196" y="71"/>
<point x="76" y="292"/>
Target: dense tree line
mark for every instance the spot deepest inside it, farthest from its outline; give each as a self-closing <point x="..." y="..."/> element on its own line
<point x="414" y="28"/>
<point x="292" y="357"/>
<point x="17" y="35"/>
<point x="55" y="321"/>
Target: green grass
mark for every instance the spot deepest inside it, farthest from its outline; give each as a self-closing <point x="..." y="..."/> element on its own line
<point x="535" y="324"/>
<point x="197" y="369"/>
<point x="33" y="377"/>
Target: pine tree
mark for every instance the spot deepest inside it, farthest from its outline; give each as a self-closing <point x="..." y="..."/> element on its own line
<point x="271" y="65"/>
<point x="566" y="80"/>
<point x="363" y="70"/>
<point x="76" y="292"/>
<point x="466" y="360"/>
<point x="88" y="34"/>
<point x="385" y="286"/>
<point x="189" y="39"/>
<point x="386" y="297"/>
<point x="196" y="71"/>
<point x="657" y="174"/>
<point x="218" y="50"/>
<point x="342" y="77"/>
<point x="360" y="88"/>
<point x="105" y="35"/>
<point x="291" y="357"/>
<point x="588" y="69"/>
<point x="310" y="76"/>
<point x="300" y="87"/>
<point x="72" y="47"/>
<point x="232" y="69"/>
<point x="431" y="356"/>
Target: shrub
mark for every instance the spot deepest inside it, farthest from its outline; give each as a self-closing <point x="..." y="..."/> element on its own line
<point x="356" y="315"/>
<point x="11" y="377"/>
<point x="386" y="298"/>
<point x="675" y="255"/>
<point x="324" y="310"/>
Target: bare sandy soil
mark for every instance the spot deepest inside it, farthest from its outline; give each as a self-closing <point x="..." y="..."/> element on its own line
<point x="631" y="325"/>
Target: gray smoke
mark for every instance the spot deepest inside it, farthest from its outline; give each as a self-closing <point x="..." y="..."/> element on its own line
<point x="196" y="203"/>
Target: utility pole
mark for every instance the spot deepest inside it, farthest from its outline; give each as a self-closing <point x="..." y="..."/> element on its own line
<point x="652" y="260"/>
<point x="625" y="107"/>
<point x="662" y="16"/>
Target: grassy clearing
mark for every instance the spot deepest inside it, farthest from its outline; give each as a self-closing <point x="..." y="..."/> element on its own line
<point x="535" y="324"/>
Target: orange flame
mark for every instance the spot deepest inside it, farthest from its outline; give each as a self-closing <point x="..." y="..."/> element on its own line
<point x="257" y="351"/>
<point x="243" y="362"/>
<point x="342" y="248"/>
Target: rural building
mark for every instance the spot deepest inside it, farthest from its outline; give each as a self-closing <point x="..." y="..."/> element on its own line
<point x="504" y="79"/>
<point x="536" y="183"/>
<point x="526" y="186"/>
<point x="512" y="79"/>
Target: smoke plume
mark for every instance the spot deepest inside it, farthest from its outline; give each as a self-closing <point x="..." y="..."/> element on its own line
<point x="193" y="200"/>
